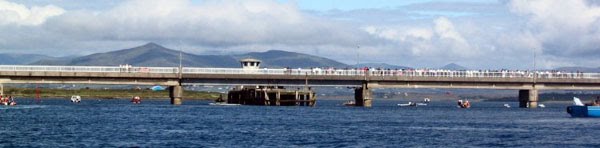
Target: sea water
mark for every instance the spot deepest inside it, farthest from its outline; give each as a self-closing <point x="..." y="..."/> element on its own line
<point x="156" y="123"/>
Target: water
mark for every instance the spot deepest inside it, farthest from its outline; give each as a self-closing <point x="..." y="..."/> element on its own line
<point x="156" y="123"/>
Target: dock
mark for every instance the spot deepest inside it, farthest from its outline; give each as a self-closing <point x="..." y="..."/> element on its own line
<point x="271" y="96"/>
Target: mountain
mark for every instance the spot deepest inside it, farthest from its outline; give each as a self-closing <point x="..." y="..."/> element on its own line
<point x="453" y="66"/>
<point x="152" y="54"/>
<point x="280" y="59"/>
<point x="381" y="65"/>
<point x="21" y="59"/>
<point x="580" y="69"/>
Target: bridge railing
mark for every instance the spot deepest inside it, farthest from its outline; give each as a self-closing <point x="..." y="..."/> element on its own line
<point x="110" y="69"/>
<point x="267" y="71"/>
<point x="58" y="68"/>
<point x="313" y="71"/>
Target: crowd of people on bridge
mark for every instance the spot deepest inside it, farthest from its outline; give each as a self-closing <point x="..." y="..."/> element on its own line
<point x="378" y="71"/>
<point x="435" y="72"/>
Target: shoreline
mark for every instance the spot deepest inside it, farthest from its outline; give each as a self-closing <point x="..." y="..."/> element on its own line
<point x="105" y="93"/>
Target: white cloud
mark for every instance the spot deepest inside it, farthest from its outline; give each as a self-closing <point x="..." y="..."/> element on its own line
<point x="217" y="23"/>
<point x="13" y="13"/>
<point x="477" y="35"/>
<point x="210" y="25"/>
<point x="564" y="28"/>
<point x="451" y="39"/>
<point x="440" y="40"/>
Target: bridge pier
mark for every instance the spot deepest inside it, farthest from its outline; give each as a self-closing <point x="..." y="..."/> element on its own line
<point x="363" y="96"/>
<point x="528" y="98"/>
<point x="176" y="94"/>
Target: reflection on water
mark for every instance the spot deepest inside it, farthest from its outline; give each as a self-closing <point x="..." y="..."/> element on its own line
<point x="156" y="123"/>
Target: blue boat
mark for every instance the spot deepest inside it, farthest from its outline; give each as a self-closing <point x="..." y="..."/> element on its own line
<point x="581" y="110"/>
<point x="584" y="111"/>
<point x="157" y="88"/>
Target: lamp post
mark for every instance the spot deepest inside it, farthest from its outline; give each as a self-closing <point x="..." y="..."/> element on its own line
<point x="534" y="68"/>
<point x="180" y="63"/>
<point x="357" y="55"/>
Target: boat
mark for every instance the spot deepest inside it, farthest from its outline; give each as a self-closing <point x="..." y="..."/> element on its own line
<point x="136" y="100"/>
<point x="421" y="104"/>
<point x="426" y="100"/>
<point x="578" y="109"/>
<point x="75" y="99"/>
<point x="408" y="104"/>
<point x="541" y="105"/>
<point x="349" y="103"/>
<point x="223" y="104"/>
<point x="506" y="105"/>
<point x="7" y="101"/>
<point x="157" y="88"/>
<point x="412" y="104"/>
<point x="464" y="104"/>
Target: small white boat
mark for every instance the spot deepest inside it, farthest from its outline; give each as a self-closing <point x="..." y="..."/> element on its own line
<point x="506" y="105"/>
<point x="421" y="104"/>
<point x="464" y="104"/>
<point x="349" y="103"/>
<point x="75" y="99"/>
<point x="407" y="104"/>
<point x="412" y="104"/>
<point x="223" y="104"/>
<point x="426" y="100"/>
<point x="541" y="105"/>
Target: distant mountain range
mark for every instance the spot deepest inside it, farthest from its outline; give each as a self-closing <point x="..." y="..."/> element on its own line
<point x="580" y="69"/>
<point x="454" y="66"/>
<point x="381" y="65"/>
<point x="20" y="59"/>
<point x="280" y="59"/>
<point x="152" y="54"/>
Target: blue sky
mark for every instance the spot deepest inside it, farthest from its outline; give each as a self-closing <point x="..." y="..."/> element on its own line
<point x="317" y="5"/>
<point x="479" y="34"/>
<point x="325" y="5"/>
<point x="346" y="5"/>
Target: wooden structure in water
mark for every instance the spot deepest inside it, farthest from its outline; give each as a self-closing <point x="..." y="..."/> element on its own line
<point x="271" y="96"/>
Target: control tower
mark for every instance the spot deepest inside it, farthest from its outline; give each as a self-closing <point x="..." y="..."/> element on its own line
<point x="250" y="64"/>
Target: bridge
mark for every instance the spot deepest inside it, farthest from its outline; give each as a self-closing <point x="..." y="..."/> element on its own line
<point x="528" y="83"/>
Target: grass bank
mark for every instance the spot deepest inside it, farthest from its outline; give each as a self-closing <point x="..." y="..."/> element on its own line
<point x="106" y="93"/>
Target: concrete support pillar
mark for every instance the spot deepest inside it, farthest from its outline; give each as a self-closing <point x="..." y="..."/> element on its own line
<point x="176" y="94"/>
<point x="363" y="96"/>
<point x="528" y="98"/>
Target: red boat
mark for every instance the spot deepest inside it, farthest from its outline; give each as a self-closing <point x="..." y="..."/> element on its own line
<point x="136" y="100"/>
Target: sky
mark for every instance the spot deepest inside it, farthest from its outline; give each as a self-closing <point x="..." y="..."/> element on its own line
<point x="479" y="34"/>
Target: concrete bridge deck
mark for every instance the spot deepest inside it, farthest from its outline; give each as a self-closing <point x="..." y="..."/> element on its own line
<point x="527" y="82"/>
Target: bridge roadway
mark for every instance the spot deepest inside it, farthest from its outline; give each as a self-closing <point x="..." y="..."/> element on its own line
<point x="528" y="83"/>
